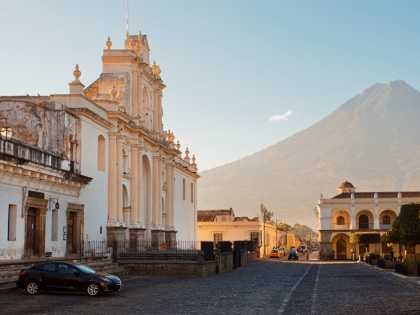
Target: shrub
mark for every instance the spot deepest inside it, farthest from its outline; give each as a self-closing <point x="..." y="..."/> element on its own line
<point x="381" y="263"/>
<point x="401" y="268"/>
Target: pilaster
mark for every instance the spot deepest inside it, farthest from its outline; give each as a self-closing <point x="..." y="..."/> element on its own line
<point x="112" y="181"/>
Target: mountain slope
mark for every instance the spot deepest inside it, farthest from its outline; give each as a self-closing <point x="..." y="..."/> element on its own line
<point x="372" y="140"/>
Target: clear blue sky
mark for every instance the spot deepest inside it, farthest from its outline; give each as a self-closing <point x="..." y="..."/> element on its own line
<point x="229" y="65"/>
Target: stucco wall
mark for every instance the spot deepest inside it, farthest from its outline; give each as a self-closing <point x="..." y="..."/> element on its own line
<point x="185" y="211"/>
<point x="95" y="195"/>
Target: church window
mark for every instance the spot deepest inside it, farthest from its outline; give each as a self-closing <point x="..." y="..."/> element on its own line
<point x="183" y="188"/>
<point x="101" y="153"/>
<point x="192" y="192"/>
<point x="11" y="233"/>
<point x="340" y="220"/>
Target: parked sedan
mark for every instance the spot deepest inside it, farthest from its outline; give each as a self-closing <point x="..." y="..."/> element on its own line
<point x="66" y="276"/>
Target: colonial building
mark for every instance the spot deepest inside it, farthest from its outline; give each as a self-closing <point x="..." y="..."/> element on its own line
<point x="223" y="225"/>
<point x="95" y="163"/>
<point x="346" y="219"/>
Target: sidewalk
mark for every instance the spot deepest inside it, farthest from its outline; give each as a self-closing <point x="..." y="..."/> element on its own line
<point x="411" y="279"/>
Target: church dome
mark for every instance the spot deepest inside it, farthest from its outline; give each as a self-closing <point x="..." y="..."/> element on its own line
<point x="346" y="186"/>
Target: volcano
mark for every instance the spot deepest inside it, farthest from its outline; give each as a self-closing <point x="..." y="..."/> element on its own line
<point x="373" y="140"/>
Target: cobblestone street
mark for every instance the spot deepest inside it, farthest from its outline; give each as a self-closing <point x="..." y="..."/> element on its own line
<point x="267" y="287"/>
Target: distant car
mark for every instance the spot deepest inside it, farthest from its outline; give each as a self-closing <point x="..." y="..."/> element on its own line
<point x="293" y="255"/>
<point x="275" y="253"/>
<point x="66" y="276"/>
<point x="282" y="251"/>
<point x="302" y="249"/>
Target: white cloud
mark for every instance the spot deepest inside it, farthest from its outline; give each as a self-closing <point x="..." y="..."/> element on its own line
<point x="281" y="117"/>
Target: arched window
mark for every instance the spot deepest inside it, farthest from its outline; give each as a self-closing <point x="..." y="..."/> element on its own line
<point x="340" y="220"/>
<point x="386" y="219"/>
<point x="363" y="221"/>
<point x="101" y="153"/>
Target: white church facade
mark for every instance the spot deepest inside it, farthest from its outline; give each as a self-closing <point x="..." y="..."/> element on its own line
<point x="94" y="164"/>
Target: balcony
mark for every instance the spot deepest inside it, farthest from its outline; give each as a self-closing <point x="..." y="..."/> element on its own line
<point x="16" y="151"/>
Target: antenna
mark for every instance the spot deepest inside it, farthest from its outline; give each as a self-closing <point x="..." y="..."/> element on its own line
<point x="126" y="16"/>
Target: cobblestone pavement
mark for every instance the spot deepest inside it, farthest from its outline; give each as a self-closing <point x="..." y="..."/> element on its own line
<point x="265" y="287"/>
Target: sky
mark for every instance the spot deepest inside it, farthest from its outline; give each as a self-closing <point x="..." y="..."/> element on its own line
<point x="241" y="75"/>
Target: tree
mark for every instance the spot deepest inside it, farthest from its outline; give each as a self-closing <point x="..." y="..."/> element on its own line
<point x="267" y="215"/>
<point x="406" y="227"/>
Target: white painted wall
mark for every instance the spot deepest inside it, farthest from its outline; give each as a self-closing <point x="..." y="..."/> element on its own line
<point x="95" y="195"/>
<point x="185" y="212"/>
<point x="11" y="195"/>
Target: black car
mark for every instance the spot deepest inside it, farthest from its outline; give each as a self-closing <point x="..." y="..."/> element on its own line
<point x="293" y="255"/>
<point x="66" y="276"/>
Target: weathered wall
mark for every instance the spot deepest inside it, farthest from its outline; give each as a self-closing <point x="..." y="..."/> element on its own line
<point x="41" y="125"/>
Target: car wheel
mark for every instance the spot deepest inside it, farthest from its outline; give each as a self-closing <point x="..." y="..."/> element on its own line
<point x="32" y="288"/>
<point x="93" y="289"/>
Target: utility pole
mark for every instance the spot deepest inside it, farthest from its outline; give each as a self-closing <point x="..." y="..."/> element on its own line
<point x="277" y="240"/>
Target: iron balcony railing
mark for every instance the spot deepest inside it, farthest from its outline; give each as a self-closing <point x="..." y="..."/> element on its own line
<point x="21" y="153"/>
<point x="14" y="149"/>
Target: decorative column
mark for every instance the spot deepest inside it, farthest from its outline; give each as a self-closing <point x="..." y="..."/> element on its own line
<point x="157" y="233"/>
<point x="170" y="234"/>
<point x="353" y="225"/>
<point x="112" y="180"/>
<point x="134" y="183"/>
<point x="376" y="212"/>
<point x="120" y="171"/>
<point x="137" y="233"/>
<point x="115" y="231"/>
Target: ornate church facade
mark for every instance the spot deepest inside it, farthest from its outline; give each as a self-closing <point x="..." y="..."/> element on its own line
<point x="95" y="163"/>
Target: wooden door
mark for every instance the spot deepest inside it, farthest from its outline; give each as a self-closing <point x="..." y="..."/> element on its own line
<point x="341" y="249"/>
<point x="30" y="238"/>
<point x="73" y="238"/>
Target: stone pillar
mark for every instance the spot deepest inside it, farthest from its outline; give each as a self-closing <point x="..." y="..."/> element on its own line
<point x="112" y="181"/>
<point x="137" y="236"/>
<point x="325" y="251"/>
<point x="353" y="225"/>
<point x="135" y="191"/>
<point x="376" y="218"/>
<point x="170" y="239"/>
<point x="115" y="234"/>
<point x="140" y="214"/>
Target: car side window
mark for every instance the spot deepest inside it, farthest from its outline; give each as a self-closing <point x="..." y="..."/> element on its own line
<point x="64" y="268"/>
<point x="47" y="267"/>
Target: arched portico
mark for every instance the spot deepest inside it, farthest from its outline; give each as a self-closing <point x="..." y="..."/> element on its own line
<point x="364" y="220"/>
<point x="340" y="219"/>
<point x="387" y="218"/>
<point x="341" y="246"/>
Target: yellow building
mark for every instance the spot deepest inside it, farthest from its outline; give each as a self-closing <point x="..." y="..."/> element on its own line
<point x="222" y="225"/>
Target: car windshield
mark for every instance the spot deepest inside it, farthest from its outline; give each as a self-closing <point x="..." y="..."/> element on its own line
<point x="85" y="269"/>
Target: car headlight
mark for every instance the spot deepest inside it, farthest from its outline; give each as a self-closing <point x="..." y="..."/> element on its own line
<point x="106" y="280"/>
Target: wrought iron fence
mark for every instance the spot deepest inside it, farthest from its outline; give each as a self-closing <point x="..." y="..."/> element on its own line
<point x="155" y="250"/>
<point x="95" y="249"/>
